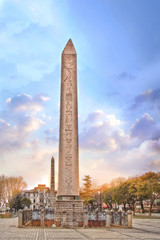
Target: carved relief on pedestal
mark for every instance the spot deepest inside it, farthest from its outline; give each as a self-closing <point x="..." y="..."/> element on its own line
<point x="73" y="210"/>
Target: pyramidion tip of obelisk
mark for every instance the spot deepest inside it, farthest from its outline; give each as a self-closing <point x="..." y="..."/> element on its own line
<point x="69" y="48"/>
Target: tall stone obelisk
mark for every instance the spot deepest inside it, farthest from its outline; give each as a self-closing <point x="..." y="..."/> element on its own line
<point x="52" y="184"/>
<point x="69" y="209"/>
<point x="68" y="180"/>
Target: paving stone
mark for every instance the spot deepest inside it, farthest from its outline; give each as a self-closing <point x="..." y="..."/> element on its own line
<point x="143" y="229"/>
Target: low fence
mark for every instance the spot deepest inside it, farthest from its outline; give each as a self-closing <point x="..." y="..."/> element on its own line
<point x="35" y="218"/>
<point x="46" y="218"/>
<point x="108" y="219"/>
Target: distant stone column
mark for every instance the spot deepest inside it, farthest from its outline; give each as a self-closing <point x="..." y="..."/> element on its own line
<point x="129" y="218"/>
<point x="42" y="217"/>
<point x="20" y="213"/>
<point x="108" y="220"/>
<point x="52" y="184"/>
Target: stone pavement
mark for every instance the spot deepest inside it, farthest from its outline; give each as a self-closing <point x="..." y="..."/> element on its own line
<point x="142" y="229"/>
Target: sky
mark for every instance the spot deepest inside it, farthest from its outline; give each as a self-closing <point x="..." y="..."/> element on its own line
<point x="118" y="54"/>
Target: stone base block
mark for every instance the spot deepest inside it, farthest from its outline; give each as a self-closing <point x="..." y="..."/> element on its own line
<point x="69" y="212"/>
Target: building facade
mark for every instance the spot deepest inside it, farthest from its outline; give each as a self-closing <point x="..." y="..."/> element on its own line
<point x="40" y="197"/>
<point x="43" y="197"/>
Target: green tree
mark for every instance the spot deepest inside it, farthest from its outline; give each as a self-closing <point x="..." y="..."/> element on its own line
<point x="90" y="201"/>
<point x="120" y="194"/>
<point x="25" y="202"/>
<point x="148" y="188"/>
<point x="86" y="191"/>
<point x="132" y="192"/>
<point x="107" y="197"/>
<point x="125" y="193"/>
<point x="18" y="202"/>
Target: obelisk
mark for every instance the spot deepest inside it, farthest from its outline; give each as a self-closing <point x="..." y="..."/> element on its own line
<point x="68" y="180"/>
<point x="68" y="209"/>
<point x="52" y="184"/>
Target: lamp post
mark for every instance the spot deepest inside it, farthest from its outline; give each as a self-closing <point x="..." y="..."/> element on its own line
<point x="100" y="201"/>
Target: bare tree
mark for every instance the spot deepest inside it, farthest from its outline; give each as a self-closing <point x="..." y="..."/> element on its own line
<point x="9" y="187"/>
<point x="2" y="190"/>
<point x="116" y="182"/>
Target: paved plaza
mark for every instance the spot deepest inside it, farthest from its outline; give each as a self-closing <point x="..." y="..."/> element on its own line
<point x="142" y="229"/>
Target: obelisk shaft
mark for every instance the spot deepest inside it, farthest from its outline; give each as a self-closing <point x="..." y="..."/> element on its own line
<point x="68" y="179"/>
<point x="52" y="184"/>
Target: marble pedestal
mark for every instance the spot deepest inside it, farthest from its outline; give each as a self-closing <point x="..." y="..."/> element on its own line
<point x="69" y="213"/>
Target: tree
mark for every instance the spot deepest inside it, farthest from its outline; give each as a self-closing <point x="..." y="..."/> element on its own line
<point x="120" y="194"/>
<point x="15" y="202"/>
<point x="107" y="197"/>
<point x="86" y="191"/>
<point x="90" y="201"/>
<point x="9" y="187"/>
<point x="117" y="181"/>
<point x="104" y="187"/>
<point x="18" y="202"/>
<point x="125" y="193"/>
<point x="2" y="190"/>
<point x="25" y="202"/>
<point x="15" y="185"/>
<point x="132" y="190"/>
<point x="148" y="188"/>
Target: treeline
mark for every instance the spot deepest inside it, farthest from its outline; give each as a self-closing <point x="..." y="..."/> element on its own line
<point x="124" y="192"/>
<point x="10" y="188"/>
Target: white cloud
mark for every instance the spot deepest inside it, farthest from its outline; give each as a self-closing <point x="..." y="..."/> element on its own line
<point x="154" y="165"/>
<point x="147" y="92"/>
<point x="109" y="151"/>
<point x="16" y="136"/>
<point x="113" y="121"/>
<point x="8" y="100"/>
<point x="32" y="123"/>
<point x="19" y="123"/>
<point x="145" y="128"/>
<point x="11" y="138"/>
<point x="103" y="132"/>
<point x="44" y="98"/>
<point x="27" y="103"/>
<point x="95" y="116"/>
<point x="32" y="163"/>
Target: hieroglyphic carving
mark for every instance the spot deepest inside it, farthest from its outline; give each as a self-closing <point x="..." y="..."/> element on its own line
<point x="68" y="205"/>
<point x="73" y="210"/>
<point x="68" y="66"/>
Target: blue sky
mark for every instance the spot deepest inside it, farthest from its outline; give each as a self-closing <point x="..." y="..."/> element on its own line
<point x="118" y="51"/>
